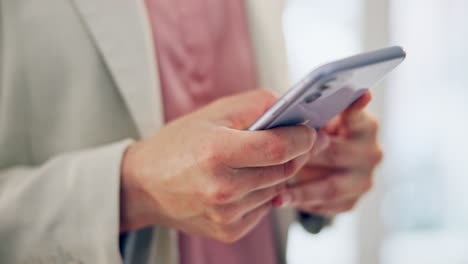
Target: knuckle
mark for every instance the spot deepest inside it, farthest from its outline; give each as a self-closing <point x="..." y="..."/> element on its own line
<point x="368" y="184"/>
<point x="221" y="217"/>
<point x="219" y="196"/>
<point x="378" y="155"/>
<point x="227" y="235"/>
<point x="374" y="123"/>
<point x="221" y="191"/>
<point x="211" y="157"/>
<point x="267" y="94"/>
<point x="375" y="156"/>
<point x="372" y="120"/>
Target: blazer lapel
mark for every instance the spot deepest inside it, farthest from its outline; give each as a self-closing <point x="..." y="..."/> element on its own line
<point x="121" y="31"/>
<point x="265" y="23"/>
<point x="272" y="68"/>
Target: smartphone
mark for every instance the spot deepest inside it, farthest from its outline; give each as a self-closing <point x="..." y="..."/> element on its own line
<point x="330" y="89"/>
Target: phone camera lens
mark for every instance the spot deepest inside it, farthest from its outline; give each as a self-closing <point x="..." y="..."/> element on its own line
<point x="311" y="98"/>
<point x="328" y="84"/>
<point x="324" y="87"/>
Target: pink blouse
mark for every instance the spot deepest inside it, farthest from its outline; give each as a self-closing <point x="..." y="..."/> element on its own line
<point x="204" y="52"/>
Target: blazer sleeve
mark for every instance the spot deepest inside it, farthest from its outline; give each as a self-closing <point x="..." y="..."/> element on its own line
<point x="63" y="211"/>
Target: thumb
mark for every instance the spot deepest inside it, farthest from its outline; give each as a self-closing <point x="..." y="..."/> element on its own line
<point x="242" y="110"/>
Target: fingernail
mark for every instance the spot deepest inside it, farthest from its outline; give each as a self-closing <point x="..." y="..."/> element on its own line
<point x="322" y="142"/>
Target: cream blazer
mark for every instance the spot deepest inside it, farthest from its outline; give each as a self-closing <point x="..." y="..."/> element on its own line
<point x="78" y="83"/>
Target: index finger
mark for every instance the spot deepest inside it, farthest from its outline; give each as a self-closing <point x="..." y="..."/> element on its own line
<point x="268" y="147"/>
<point x="353" y="116"/>
<point x="342" y="123"/>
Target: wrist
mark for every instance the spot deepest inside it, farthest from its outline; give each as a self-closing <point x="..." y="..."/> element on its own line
<point x="135" y="203"/>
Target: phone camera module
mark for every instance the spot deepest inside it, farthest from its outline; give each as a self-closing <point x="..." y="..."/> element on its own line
<point x="311" y="98"/>
<point x="328" y="84"/>
<point x="324" y="87"/>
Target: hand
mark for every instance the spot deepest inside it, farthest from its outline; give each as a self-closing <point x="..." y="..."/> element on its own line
<point x="339" y="169"/>
<point x="204" y="175"/>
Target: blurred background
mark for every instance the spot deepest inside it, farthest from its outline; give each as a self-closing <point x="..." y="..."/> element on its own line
<point x="418" y="210"/>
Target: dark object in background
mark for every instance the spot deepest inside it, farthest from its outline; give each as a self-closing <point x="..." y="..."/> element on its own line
<point x="313" y="223"/>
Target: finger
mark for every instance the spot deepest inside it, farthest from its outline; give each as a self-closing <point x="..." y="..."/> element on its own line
<point x="332" y="189"/>
<point x="358" y="122"/>
<point x="237" y="183"/>
<point x="241" y="111"/>
<point x="321" y="143"/>
<point x="332" y="126"/>
<point x="268" y="147"/>
<point x="234" y="211"/>
<point x="343" y="153"/>
<point x="315" y="173"/>
<point x="331" y="209"/>
<point x="365" y="127"/>
<point x="358" y="105"/>
<point x="308" y="174"/>
<point x="240" y="228"/>
<point x="335" y="126"/>
<point x="252" y="179"/>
